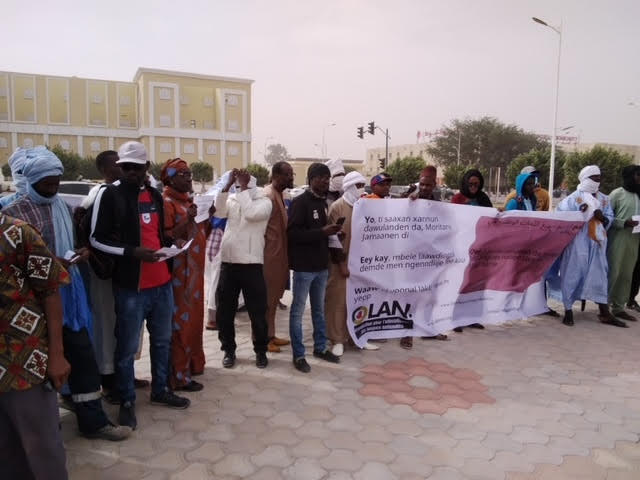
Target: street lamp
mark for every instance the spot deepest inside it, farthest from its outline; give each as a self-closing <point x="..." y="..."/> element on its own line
<point x="324" y="145"/>
<point x="552" y="162"/>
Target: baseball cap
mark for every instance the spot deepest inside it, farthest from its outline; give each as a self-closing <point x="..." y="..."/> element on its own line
<point x="530" y="169"/>
<point x="132" y="152"/>
<point x="381" y="177"/>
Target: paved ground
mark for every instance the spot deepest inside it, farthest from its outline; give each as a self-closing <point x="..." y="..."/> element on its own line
<point x="527" y="400"/>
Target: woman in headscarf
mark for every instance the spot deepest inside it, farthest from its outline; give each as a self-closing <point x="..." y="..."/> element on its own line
<point x="471" y="190"/>
<point x="187" y="353"/>
<point x="623" y="243"/>
<point x="471" y="194"/>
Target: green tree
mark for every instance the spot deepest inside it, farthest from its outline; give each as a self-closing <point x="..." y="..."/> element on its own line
<point x="485" y="143"/>
<point x="70" y="161"/>
<point x="155" y="170"/>
<point x="88" y="170"/>
<point x="452" y="175"/>
<point x="539" y="158"/>
<point x="277" y="153"/>
<point x="349" y="169"/>
<point x="202" y="172"/>
<point x="406" y="170"/>
<point x="610" y="161"/>
<point x="6" y="170"/>
<point x="261" y="173"/>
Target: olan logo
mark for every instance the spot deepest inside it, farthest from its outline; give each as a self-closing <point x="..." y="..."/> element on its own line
<point x="381" y="317"/>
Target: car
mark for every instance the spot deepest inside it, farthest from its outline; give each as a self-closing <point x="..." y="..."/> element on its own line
<point x="73" y="193"/>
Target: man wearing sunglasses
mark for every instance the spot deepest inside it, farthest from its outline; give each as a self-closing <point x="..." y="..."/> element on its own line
<point x="128" y="223"/>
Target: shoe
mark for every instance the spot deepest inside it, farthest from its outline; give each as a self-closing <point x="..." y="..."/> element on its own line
<point x="479" y="326"/>
<point x="192" y="386"/>
<point x="370" y="346"/>
<point x="551" y="313"/>
<point x="127" y="415"/>
<point x="406" y="343"/>
<point x="440" y="337"/>
<point x="211" y="326"/>
<point x="458" y="329"/>
<point x="281" y="342"/>
<point x="261" y="360"/>
<point x="302" y="365"/>
<point x="634" y="306"/>
<point x="568" y="318"/>
<point x="169" y="399"/>
<point x="338" y="349"/>
<point x="112" y="432"/>
<point x="273" y="348"/>
<point x="282" y="306"/>
<point x="229" y="360"/>
<point x="625" y="316"/>
<point x="327" y="356"/>
<point x="139" y="383"/>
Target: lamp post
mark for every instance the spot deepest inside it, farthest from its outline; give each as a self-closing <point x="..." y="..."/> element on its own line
<point x="324" y="145"/>
<point x="552" y="161"/>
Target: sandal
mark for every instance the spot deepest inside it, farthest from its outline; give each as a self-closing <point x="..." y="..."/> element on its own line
<point x="440" y="337"/>
<point x="611" y="320"/>
<point x="625" y="316"/>
<point x="406" y="343"/>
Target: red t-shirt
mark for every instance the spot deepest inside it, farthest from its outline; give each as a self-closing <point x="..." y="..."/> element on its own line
<point x="157" y="273"/>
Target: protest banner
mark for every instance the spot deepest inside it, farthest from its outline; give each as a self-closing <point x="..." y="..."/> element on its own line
<point x="420" y="268"/>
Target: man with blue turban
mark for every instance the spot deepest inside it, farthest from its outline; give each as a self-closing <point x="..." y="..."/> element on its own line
<point x="16" y="163"/>
<point x="41" y="207"/>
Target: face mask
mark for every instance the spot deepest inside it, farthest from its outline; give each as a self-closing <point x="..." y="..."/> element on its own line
<point x="589" y="186"/>
<point x="335" y="185"/>
<point x="361" y="191"/>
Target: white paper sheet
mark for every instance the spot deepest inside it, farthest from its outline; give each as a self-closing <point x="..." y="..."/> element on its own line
<point x="172" y="251"/>
<point x="636" y="218"/>
<point x="334" y="242"/>
<point x="203" y="202"/>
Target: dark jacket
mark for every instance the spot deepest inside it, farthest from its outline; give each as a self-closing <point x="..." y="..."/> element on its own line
<point x="308" y="245"/>
<point x="115" y="229"/>
<point x="464" y="196"/>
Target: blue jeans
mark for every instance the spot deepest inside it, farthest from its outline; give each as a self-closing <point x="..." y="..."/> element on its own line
<point x="132" y="308"/>
<point x="313" y="285"/>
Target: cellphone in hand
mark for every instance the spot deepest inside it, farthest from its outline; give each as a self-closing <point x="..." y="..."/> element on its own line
<point x="341" y="220"/>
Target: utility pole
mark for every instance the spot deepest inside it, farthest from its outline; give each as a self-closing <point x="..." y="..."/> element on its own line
<point x="371" y="129"/>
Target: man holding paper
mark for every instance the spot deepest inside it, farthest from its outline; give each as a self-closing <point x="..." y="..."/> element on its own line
<point x="128" y="223"/>
<point x="181" y="225"/>
<point x="623" y="242"/>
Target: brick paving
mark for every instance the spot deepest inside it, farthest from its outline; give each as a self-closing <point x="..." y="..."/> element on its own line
<point x="521" y="401"/>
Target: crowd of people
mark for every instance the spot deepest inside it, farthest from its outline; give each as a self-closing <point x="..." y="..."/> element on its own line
<point x="78" y="287"/>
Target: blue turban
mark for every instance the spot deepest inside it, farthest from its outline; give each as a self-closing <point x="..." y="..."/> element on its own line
<point x="40" y="163"/>
<point x="17" y="161"/>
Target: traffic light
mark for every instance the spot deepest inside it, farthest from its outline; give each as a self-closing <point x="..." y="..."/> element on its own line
<point x="361" y="132"/>
<point x="381" y="163"/>
<point x="372" y="127"/>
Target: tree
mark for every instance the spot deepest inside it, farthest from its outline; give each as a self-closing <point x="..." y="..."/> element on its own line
<point x="485" y="143"/>
<point x="261" y="173"/>
<point x="202" y="172"/>
<point x="349" y="169"/>
<point x="88" y="170"/>
<point x="277" y="153"/>
<point x="6" y="170"/>
<point x="610" y="161"/>
<point x="70" y="162"/>
<point x="155" y="170"/>
<point x="538" y="158"/>
<point x="406" y="170"/>
<point x="453" y="175"/>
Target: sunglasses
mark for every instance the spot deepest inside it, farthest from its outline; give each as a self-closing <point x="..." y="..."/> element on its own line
<point x="131" y="166"/>
<point x="184" y="174"/>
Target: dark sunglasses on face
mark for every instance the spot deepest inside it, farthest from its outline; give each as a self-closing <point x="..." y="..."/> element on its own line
<point x="131" y="166"/>
<point x="184" y="174"/>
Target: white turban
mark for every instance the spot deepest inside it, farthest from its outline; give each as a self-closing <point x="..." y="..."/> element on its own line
<point x="588" y="171"/>
<point x="351" y="192"/>
<point x="335" y="166"/>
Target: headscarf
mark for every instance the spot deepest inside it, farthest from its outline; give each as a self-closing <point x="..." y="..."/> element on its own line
<point x="171" y="168"/>
<point x="480" y="196"/>
<point x="16" y="162"/>
<point x="586" y="184"/>
<point x="337" y="174"/>
<point x="351" y="192"/>
<point x="628" y="179"/>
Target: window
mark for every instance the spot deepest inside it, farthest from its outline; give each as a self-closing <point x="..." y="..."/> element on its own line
<point x="95" y="146"/>
<point x="97" y="99"/>
<point x="188" y="148"/>
<point x="207" y="102"/>
<point x="28" y="94"/>
<point x="165" y="120"/>
<point x="165" y="147"/>
<point x="125" y="100"/>
<point x="208" y="124"/>
<point x="3" y="142"/>
<point x="164" y="94"/>
<point x="233" y="151"/>
<point x="212" y="149"/>
<point x="3" y="92"/>
<point x="232" y="100"/>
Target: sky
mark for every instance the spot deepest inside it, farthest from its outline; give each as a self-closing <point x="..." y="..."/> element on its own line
<point x="408" y="65"/>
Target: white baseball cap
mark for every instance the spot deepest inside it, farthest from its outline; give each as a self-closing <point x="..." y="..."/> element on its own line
<point x="132" y="152"/>
<point x="530" y="169"/>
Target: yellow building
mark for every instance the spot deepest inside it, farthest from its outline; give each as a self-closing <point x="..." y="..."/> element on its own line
<point x="175" y="114"/>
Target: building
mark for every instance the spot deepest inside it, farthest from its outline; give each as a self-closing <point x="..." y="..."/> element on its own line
<point x="300" y="166"/>
<point x="175" y="114"/>
<point x="633" y="150"/>
<point x="396" y="152"/>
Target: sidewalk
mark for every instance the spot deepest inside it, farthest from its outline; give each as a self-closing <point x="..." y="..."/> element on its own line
<point x="528" y="400"/>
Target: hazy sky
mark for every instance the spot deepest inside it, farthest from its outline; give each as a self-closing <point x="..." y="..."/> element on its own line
<point x="408" y="65"/>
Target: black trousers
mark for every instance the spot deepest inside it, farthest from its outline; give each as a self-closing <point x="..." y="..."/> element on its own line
<point x="248" y="279"/>
<point x="635" y="280"/>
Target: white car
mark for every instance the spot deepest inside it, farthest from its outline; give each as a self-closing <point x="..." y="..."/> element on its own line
<point x="73" y="193"/>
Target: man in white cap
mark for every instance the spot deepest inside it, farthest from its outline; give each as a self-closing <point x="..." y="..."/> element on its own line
<point x="335" y="183"/>
<point x="128" y="223"/>
<point x="583" y="266"/>
<point x="542" y="195"/>
<point x="335" y="304"/>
